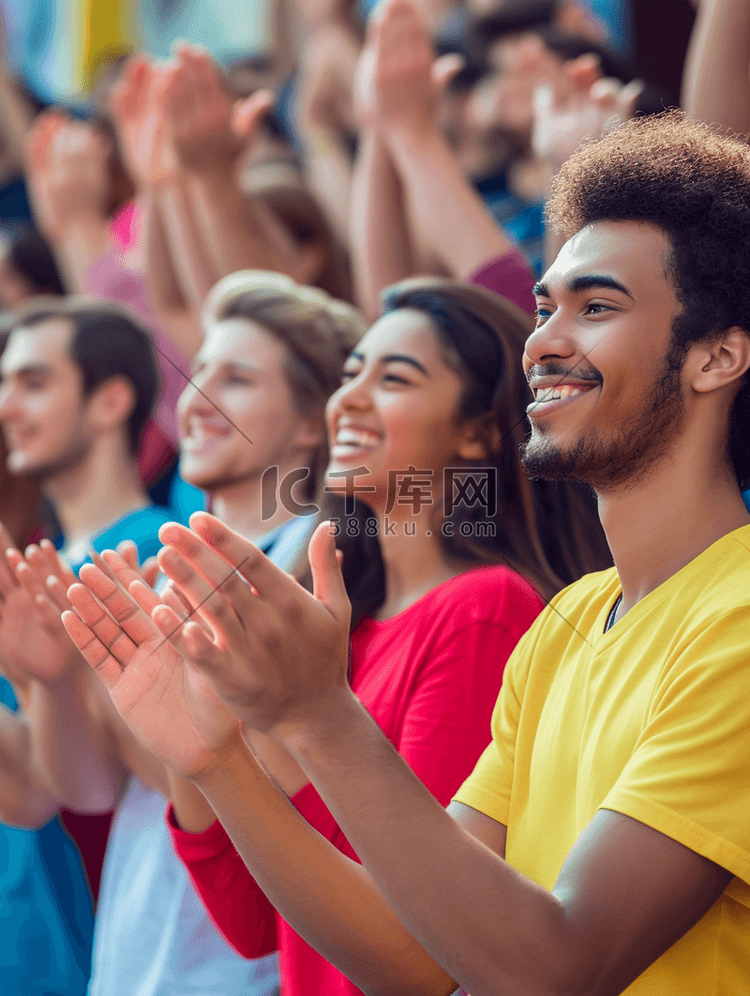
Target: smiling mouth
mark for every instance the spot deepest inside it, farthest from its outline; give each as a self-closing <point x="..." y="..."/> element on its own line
<point x="350" y="441"/>
<point x="549" y="398"/>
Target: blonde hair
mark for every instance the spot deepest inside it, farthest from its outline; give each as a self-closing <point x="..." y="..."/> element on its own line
<point x="317" y="331"/>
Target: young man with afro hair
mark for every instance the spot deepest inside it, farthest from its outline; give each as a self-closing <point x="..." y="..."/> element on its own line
<point x="602" y="844"/>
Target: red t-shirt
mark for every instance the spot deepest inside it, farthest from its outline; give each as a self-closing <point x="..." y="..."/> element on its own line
<point x="429" y="677"/>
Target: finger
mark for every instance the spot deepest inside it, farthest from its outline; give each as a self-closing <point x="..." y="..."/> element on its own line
<point x="93" y="650"/>
<point x="248" y="113"/>
<point x="189" y="639"/>
<point x="121" y="571"/>
<point x="445" y="69"/>
<point x="213" y="596"/>
<point x="129" y="553"/>
<point x="56" y="564"/>
<point x="144" y="596"/>
<point x="7" y="581"/>
<point x="627" y="101"/>
<point x="27" y="578"/>
<point x="208" y="537"/>
<point x="58" y="593"/>
<point x="112" y="637"/>
<point x="328" y="581"/>
<point x="150" y="571"/>
<point x="125" y="612"/>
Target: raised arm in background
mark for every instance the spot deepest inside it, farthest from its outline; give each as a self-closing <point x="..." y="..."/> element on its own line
<point x="325" y="120"/>
<point x="177" y="268"/>
<point x="716" y="80"/>
<point x="66" y="164"/>
<point x="238" y="231"/>
<point x="398" y="83"/>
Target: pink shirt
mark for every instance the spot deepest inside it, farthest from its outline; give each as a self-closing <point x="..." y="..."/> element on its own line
<point x="510" y="277"/>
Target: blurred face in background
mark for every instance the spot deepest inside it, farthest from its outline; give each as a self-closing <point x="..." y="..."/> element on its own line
<point x="238" y="416"/>
<point x="42" y="407"/>
<point x="504" y="100"/>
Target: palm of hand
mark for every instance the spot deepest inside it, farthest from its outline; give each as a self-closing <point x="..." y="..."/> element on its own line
<point x="29" y="646"/>
<point x="172" y="710"/>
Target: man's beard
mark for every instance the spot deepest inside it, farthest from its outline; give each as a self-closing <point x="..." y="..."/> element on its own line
<point x="623" y="460"/>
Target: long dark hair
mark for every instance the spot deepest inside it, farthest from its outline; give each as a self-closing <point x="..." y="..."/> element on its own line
<point x="549" y="532"/>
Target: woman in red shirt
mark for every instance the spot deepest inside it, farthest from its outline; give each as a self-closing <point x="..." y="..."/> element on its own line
<point x="444" y="566"/>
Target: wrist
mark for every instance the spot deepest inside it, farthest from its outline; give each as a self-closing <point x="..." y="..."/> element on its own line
<point x="423" y="138"/>
<point x="327" y="722"/>
<point x="222" y="770"/>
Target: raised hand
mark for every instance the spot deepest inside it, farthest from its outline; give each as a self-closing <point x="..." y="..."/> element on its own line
<point x="584" y="107"/>
<point x="278" y="655"/>
<point x="33" y="642"/>
<point x="199" y="111"/>
<point x="68" y="173"/>
<point x="398" y="79"/>
<point x="164" y="701"/>
<point x="137" y="106"/>
<point x="324" y="95"/>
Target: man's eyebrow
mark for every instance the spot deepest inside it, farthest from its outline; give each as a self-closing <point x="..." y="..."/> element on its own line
<point x="29" y="370"/>
<point x="588" y="282"/>
<point x="593" y="280"/>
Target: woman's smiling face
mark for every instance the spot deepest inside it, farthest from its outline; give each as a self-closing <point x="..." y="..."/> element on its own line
<point x="398" y="407"/>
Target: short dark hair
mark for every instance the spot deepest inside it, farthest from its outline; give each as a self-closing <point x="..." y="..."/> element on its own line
<point x="107" y="341"/>
<point x="693" y="183"/>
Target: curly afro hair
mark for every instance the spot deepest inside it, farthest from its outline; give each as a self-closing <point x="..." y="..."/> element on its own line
<point x="679" y="174"/>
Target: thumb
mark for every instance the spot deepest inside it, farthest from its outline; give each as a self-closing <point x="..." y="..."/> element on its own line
<point x="444" y="70"/>
<point x="247" y="113"/>
<point x="328" y="581"/>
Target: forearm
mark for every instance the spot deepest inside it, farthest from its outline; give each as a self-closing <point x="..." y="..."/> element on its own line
<point x="379" y="235"/>
<point x="450" y="214"/>
<point x="83" y="241"/>
<point x="239" y="233"/>
<point x="70" y="745"/>
<point x="327" y="898"/>
<point x="716" y="83"/>
<point x="493" y="929"/>
<point x="329" y="171"/>
<point x="192" y="809"/>
<point x="175" y="236"/>
<point x="24" y="800"/>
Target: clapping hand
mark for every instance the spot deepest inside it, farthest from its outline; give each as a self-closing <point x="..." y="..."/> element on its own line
<point x="163" y="699"/>
<point x="275" y="653"/>
<point x="33" y="642"/>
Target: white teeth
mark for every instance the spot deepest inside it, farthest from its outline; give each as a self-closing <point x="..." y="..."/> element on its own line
<point x="355" y="437"/>
<point x="561" y="393"/>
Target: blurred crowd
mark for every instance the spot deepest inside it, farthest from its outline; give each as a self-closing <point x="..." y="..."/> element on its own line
<point x="203" y="208"/>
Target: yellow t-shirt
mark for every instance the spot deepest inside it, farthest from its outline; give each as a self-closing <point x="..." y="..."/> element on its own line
<point x="651" y="719"/>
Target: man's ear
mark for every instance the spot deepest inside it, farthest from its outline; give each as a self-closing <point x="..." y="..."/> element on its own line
<point x="111" y="403"/>
<point x="721" y="363"/>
